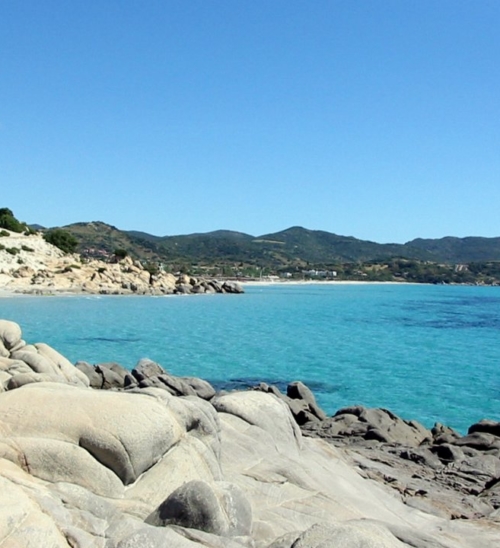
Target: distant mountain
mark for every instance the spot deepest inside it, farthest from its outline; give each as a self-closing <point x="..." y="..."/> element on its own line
<point x="293" y="247"/>
<point x="460" y="250"/>
<point x="316" y="246"/>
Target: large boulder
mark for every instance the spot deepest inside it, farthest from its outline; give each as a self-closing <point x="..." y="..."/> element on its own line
<point x="10" y="334"/>
<point x="264" y="411"/>
<point x="22" y="363"/>
<point x="122" y="433"/>
<point x="221" y="509"/>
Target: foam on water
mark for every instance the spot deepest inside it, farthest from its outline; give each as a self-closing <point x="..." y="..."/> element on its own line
<point x="430" y="353"/>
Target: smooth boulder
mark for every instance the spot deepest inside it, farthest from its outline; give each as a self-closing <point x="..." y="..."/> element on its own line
<point x="221" y="509"/>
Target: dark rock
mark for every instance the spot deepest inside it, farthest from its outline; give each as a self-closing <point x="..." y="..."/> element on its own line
<point x="377" y="434"/>
<point x="216" y="286"/>
<point x="231" y="287"/>
<point x="443" y="434"/>
<point x="202" y="388"/>
<point x="197" y="289"/>
<point x="154" y="382"/>
<point x="129" y="381"/>
<point x="146" y="369"/>
<point x="421" y="456"/>
<point x="183" y="289"/>
<point x="299" y="391"/>
<point x="487" y="426"/>
<point x="113" y="375"/>
<point x="90" y="371"/>
<point x="447" y="453"/>
<point x="221" y="509"/>
<point x="479" y="440"/>
<point x="381" y="425"/>
<point x="176" y="385"/>
<point x="208" y="287"/>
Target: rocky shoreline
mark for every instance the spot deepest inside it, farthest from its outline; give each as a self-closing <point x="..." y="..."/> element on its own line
<point x="99" y="456"/>
<point x="31" y="266"/>
<point x="438" y="471"/>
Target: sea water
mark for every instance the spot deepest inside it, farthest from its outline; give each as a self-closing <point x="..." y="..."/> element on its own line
<point x="430" y="353"/>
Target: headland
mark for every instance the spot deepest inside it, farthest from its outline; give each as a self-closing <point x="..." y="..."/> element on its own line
<point x="30" y="265"/>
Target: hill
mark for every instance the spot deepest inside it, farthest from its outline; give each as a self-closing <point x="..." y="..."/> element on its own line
<point x="460" y="250"/>
<point x="316" y="246"/>
<point x="295" y="247"/>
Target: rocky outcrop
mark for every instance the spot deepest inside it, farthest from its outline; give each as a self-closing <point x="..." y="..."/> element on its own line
<point x="22" y="364"/>
<point x="39" y="268"/>
<point x="146" y="374"/>
<point x="437" y="471"/>
<point x="132" y="465"/>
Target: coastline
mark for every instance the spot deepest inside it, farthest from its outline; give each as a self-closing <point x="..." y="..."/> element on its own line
<point x="325" y="282"/>
<point x="65" y="292"/>
<point x="97" y="454"/>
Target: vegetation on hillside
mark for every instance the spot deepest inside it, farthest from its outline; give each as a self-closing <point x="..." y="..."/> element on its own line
<point x="295" y="253"/>
<point x="8" y="221"/>
<point x="62" y="239"/>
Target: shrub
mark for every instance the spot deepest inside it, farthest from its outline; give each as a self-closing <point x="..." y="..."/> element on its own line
<point x="152" y="268"/>
<point x="12" y="250"/>
<point x="101" y="270"/>
<point x="120" y="253"/>
<point x="4" y="233"/>
<point x="8" y="221"/>
<point x="26" y="248"/>
<point x="62" y="239"/>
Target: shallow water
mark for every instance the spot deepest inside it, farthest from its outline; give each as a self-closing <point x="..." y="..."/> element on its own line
<point x="429" y="353"/>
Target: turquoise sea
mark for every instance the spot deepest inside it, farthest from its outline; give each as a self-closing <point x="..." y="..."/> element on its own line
<point x="430" y="353"/>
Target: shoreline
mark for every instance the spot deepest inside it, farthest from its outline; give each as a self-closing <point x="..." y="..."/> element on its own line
<point x="7" y="292"/>
<point x="265" y="468"/>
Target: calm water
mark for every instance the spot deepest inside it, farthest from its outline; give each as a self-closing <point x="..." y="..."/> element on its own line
<point x="430" y="353"/>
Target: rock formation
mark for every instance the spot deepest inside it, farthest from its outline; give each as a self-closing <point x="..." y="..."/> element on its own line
<point x="438" y="471"/>
<point x="146" y="459"/>
<point x="30" y="265"/>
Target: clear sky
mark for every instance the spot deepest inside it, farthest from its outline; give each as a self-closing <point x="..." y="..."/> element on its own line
<point x="378" y="119"/>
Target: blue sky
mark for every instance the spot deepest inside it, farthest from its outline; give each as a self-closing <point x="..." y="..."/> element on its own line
<point x="378" y="119"/>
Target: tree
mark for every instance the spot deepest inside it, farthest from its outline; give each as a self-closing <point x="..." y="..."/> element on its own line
<point x="62" y="239"/>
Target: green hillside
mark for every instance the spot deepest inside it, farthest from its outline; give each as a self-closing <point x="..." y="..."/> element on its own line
<point x="293" y="249"/>
<point x="460" y="250"/>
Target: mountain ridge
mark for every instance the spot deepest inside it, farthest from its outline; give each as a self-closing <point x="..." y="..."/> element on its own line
<point x="295" y="246"/>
